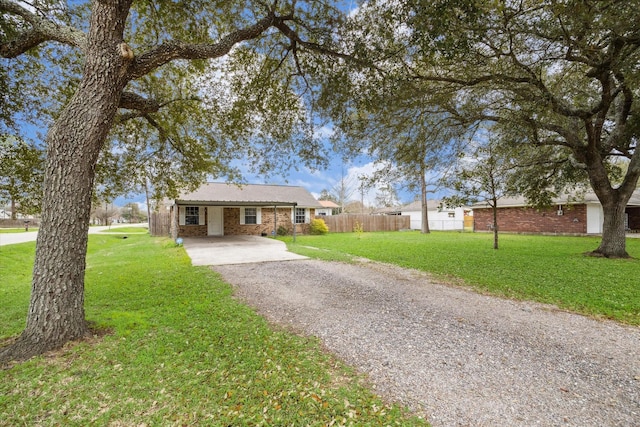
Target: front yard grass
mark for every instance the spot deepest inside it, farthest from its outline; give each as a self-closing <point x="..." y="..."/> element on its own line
<point x="548" y="269"/>
<point x="180" y="351"/>
<point x="126" y="230"/>
<point x="16" y="230"/>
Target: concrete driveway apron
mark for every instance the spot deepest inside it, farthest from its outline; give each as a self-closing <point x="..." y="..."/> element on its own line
<point x="236" y="250"/>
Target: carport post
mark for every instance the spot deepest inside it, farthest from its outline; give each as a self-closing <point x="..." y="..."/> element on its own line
<point x="275" y="221"/>
<point x="294" y="222"/>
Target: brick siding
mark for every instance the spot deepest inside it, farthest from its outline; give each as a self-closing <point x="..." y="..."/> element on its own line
<point x="192" y="230"/>
<point x="232" y="224"/>
<point x="530" y="220"/>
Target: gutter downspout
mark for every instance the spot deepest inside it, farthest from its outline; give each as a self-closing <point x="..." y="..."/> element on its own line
<point x="275" y="221"/>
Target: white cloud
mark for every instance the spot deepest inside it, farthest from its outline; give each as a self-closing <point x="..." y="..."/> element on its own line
<point x="355" y="174"/>
<point x="323" y="132"/>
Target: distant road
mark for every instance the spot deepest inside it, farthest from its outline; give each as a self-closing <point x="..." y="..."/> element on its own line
<point x="30" y="236"/>
<point x="12" y="238"/>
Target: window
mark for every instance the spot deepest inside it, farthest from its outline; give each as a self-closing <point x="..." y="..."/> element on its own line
<point x="250" y="216"/>
<point x="300" y="216"/>
<point x="192" y="215"/>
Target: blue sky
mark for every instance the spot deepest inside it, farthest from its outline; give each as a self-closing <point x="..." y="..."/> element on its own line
<point x="313" y="181"/>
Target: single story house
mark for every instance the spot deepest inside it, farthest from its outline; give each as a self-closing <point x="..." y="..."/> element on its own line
<point x="217" y="209"/>
<point x="567" y="216"/>
<point x="441" y="216"/>
<point x="327" y="208"/>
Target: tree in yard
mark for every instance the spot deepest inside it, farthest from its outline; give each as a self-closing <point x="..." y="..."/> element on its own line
<point x="564" y="72"/>
<point x="382" y="111"/>
<point x="131" y="212"/>
<point x="485" y="175"/>
<point x="129" y="51"/>
<point x="413" y="142"/>
<point x="354" y="207"/>
<point x="344" y="190"/>
<point x="326" y="195"/>
<point x="105" y="212"/>
<point x="387" y="196"/>
<point x="21" y="174"/>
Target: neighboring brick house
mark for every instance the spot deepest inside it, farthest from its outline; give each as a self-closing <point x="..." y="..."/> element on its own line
<point x="217" y="209"/>
<point x="564" y="217"/>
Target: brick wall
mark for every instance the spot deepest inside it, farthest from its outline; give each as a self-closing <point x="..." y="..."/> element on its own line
<point x="529" y="220"/>
<point x="232" y="224"/>
<point x="283" y="219"/>
<point x="192" y="230"/>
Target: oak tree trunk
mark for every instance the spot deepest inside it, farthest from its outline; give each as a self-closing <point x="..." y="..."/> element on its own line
<point x="614" y="203"/>
<point x="425" y="210"/>
<point x="56" y="310"/>
<point x="495" y="223"/>
<point x="14" y="214"/>
<point x="613" y="244"/>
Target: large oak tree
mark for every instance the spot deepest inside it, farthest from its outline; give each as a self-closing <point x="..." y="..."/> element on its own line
<point x="564" y="73"/>
<point x="121" y="46"/>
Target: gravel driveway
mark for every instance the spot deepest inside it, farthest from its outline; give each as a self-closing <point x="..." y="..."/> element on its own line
<point x="457" y="357"/>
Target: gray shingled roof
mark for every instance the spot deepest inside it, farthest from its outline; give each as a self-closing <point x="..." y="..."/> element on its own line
<point x="223" y="194"/>
<point x="588" y="197"/>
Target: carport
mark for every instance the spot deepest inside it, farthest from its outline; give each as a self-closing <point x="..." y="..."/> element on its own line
<point x="237" y="249"/>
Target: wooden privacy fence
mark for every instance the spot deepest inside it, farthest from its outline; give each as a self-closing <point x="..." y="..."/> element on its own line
<point x="160" y="224"/>
<point x="347" y="222"/>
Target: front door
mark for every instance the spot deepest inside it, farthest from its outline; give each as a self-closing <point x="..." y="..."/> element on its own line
<point x="214" y="221"/>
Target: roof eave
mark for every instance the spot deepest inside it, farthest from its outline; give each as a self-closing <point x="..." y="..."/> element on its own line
<point x="232" y="203"/>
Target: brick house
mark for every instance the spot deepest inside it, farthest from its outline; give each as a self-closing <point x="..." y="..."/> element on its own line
<point x="583" y="216"/>
<point x="217" y="209"/>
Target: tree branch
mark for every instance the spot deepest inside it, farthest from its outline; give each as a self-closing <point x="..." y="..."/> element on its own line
<point x="294" y="37"/>
<point x="141" y="106"/>
<point x="41" y="30"/>
<point x="170" y="51"/>
<point x="133" y="101"/>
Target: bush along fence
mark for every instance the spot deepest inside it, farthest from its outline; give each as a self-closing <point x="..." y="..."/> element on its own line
<point x="347" y="223"/>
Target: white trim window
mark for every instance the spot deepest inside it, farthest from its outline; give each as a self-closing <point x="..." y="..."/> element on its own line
<point x="250" y="216"/>
<point x="301" y="216"/>
<point x="192" y="215"/>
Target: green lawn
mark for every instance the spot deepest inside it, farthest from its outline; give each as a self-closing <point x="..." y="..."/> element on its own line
<point x="16" y="230"/>
<point x="549" y="269"/>
<point x="126" y="230"/>
<point x="181" y="351"/>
